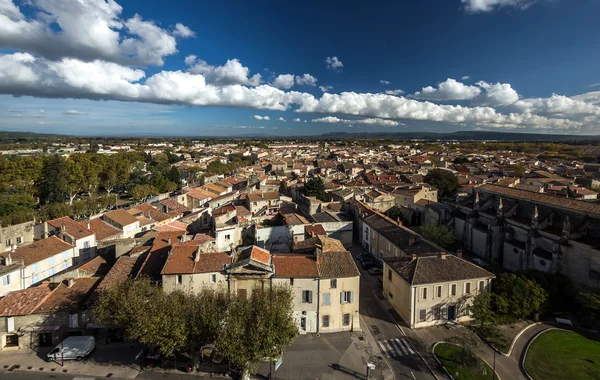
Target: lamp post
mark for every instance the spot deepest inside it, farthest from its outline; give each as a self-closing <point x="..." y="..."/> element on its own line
<point x="494" y="369"/>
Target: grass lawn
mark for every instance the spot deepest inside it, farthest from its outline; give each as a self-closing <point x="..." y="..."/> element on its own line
<point x="561" y="354"/>
<point x="447" y="353"/>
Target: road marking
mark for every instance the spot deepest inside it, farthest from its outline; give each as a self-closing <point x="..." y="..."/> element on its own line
<point x="395" y="347"/>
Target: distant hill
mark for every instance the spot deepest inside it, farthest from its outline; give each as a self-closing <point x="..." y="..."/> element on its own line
<point x="461" y="136"/>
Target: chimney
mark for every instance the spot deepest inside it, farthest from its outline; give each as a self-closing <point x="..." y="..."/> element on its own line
<point x="398" y="221"/>
<point x="88" y="225"/>
<point x="169" y="240"/>
<point x="8" y="259"/>
<point x="63" y="228"/>
<point x="197" y="255"/>
<point x="414" y="256"/>
<point x="412" y="240"/>
<point x="71" y="281"/>
<point x="443" y="255"/>
<point x="459" y="253"/>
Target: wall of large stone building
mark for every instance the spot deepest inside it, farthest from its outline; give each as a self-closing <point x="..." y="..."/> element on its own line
<point x="459" y="229"/>
<point x="579" y="262"/>
<point x="513" y="257"/>
<point x="281" y="238"/>
<point x="22" y="230"/>
<point x="194" y="282"/>
<point x="479" y="243"/>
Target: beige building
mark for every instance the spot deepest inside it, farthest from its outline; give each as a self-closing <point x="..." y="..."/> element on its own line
<point x="434" y="289"/>
<point x="17" y="234"/>
<point x="128" y="224"/>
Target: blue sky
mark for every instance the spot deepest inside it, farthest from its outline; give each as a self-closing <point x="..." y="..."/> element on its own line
<point x="119" y="68"/>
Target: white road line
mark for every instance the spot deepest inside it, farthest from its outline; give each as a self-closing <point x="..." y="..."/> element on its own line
<point x="384" y="349"/>
<point x="407" y="344"/>
<point x="393" y="347"/>
<point x="400" y="346"/>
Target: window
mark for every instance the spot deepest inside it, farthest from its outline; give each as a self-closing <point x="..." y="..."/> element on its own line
<point x="346" y="297"/>
<point x="227" y="237"/>
<point x="423" y="293"/>
<point x="481" y="286"/>
<point x="179" y="279"/>
<point x="10" y="324"/>
<point x="422" y="315"/>
<point x="436" y="313"/>
<point x="20" y="240"/>
<point x="325" y="321"/>
<point x="8" y="243"/>
<point x="51" y="260"/>
<point x="346" y="320"/>
<point x="307" y="296"/>
<point x="6" y="280"/>
<point x="438" y="291"/>
<point x="213" y="278"/>
<point x="453" y="289"/>
<point x="326" y="299"/>
<point x="389" y="275"/>
<point x="468" y="288"/>
<point x="333" y="284"/>
<point x="86" y="244"/>
<point x="390" y="295"/>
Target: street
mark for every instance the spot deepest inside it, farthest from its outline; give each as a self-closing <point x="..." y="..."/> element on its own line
<point x="397" y="349"/>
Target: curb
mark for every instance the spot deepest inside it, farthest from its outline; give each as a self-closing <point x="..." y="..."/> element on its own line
<point x="512" y="344"/>
<point x="382" y="356"/>
<point x="406" y="336"/>
<point x="444" y="368"/>
<point x="522" y="362"/>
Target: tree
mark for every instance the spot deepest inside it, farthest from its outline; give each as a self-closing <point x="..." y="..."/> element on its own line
<point x="444" y="180"/>
<point x="258" y="327"/>
<point x="51" y="184"/>
<point x="481" y="308"/>
<point x="315" y="187"/>
<point x="394" y="213"/>
<point x="590" y="302"/>
<point x="75" y="179"/>
<point x="141" y="192"/>
<point x="440" y="235"/>
<point x="517" y="297"/>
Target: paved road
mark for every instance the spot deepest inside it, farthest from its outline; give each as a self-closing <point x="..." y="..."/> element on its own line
<point x="397" y="349"/>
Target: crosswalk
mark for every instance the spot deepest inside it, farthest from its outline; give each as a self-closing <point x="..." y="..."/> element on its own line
<point x="395" y="347"/>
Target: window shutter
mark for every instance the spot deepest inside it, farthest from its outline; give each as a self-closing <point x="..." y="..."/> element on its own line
<point x="341" y="297"/>
<point x="326" y="300"/>
<point x="351" y="297"/>
<point x="310" y="296"/>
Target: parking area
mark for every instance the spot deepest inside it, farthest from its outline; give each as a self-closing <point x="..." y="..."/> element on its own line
<point x="114" y="359"/>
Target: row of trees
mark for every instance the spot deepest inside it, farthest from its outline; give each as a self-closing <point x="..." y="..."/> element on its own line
<point x="245" y="330"/>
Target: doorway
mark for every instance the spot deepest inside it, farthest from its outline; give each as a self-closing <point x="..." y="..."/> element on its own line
<point x="303" y="323"/>
<point x="451" y="312"/>
<point x="45" y="339"/>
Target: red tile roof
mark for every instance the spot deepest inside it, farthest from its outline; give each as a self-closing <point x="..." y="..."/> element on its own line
<point x="24" y="302"/>
<point x="65" y="298"/>
<point x="294" y="265"/>
<point x="260" y="254"/>
<point x="181" y="261"/>
<point x="39" y="250"/>
<point x="76" y="229"/>
<point x="103" y="230"/>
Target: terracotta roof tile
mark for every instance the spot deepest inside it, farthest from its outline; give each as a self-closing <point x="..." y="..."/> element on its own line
<point x="294" y="265"/>
<point x="181" y="261"/>
<point x="173" y="205"/>
<point x="24" y="302"/>
<point x="103" y="230"/>
<point x="124" y="268"/>
<point x="336" y="264"/>
<point x="260" y="254"/>
<point x="121" y="217"/>
<point x="152" y="212"/>
<point x="76" y="229"/>
<point x="39" y="250"/>
<point x="65" y="298"/>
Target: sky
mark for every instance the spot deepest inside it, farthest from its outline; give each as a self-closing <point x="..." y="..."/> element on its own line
<point x="292" y="68"/>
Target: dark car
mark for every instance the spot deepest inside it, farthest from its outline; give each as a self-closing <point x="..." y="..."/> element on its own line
<point x="367" y="264"/>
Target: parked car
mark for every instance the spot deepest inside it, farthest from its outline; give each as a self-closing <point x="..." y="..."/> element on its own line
<point x="73" y="348"/>
<point x="367" y="264"/>
<point x="363" y="254"/>
<point x="375" y="270"/>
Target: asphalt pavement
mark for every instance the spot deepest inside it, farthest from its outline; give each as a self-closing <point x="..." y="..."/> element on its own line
<point x="397" y="349"/>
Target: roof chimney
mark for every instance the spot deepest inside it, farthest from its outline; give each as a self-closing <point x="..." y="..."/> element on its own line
<point x="169" y="240"/>
<point x="443" y="255"/>
<point x="414" y="256"/>
<point x="398" y="221"/>
<point x="70" y="282"/>
<point x="459" y="253"/>
<point x="88" y="225"/>
<point x="62" y="227"/>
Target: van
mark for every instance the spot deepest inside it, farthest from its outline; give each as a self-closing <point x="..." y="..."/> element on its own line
<point x="73" y="348"/>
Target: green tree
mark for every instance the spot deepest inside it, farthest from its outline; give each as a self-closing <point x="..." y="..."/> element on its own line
<point x="440" y="235"/>
<point x="590" y="302"/>
<point x="517" y="297"/>
<point x="482" y="308"/>
<point x="141" y="192"/>
<point x="444" y="180"/>
<point x="394" y="213"/>
<point x="258" y="327"/>
<point x="315" y="187"/>
<point x="52" y="184"/>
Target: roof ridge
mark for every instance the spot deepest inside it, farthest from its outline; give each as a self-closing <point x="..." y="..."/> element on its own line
<point x="46" y="297"/>
<point x="412" y="281"/>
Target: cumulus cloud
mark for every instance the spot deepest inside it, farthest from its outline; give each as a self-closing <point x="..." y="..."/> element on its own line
<point x="87" y="30"/>
<point x="73" y="113"/>
<point x="284" y="81"/>
<point x="306" y="80"/>
<point x="190" y="59"/>
<point x="476" y="6"/>
<point x="370" y="121"/>
<point x="450" y="89"/>
<point x="281" y="119"/>
<point x="232" y="72"/>
<point x="589" y="97"/>
<point x="325" y="88"/>
<point x="465" y="77"/>
<point x="386" y="82"/>
<point x="558" y="105"/>
<point x="24" y="74"/>
<point x="497" y="94"/>
<point x="394" y="92"/>
<point x="258" y="117"/>
<point x="297" y="120"/>
<point x="183" y="31"/>
<point x="333" y="63"/>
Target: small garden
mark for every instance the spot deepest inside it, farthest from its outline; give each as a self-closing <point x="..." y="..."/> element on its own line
<point x="462" y="363"/>
<point x="559" y="354"/>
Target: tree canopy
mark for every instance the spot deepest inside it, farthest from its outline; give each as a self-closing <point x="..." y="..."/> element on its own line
<point x="315" y="187"/>
<point x="444" y="180"/>
<point x="440" y="235"/>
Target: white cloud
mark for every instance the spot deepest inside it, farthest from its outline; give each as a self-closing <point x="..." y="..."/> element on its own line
<point x="306" y="80"/>
<point x="465" y="77"/>
<point x="370" y="121"/>
<point x="183" y="31"/>
<point x="476" y="6"/>
<point x="386" y="82"/>
<point x="87" y="30"/>
<point x="281" y="119"/>
<point x="333" y="63"/>
<point x="497" y="94"/>
<point x="297" y="120"/>
<point x="258" y="117"/>
<point x="42" y="110"/>
<point x="394" y="92"/>
<point x="325" y="88"/>
<point x="284" y="81"/>
<point x="556" y="105"/>
<point x="594" y="85"/>
<point x="232" y="72"/>
<point x="590" y="97"/>
<point x="73" y="113"/>
<point x="450" y="89"/>
<point x="190" y="59"/>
